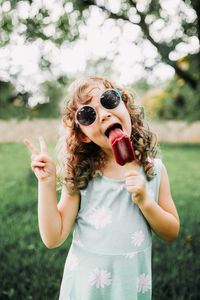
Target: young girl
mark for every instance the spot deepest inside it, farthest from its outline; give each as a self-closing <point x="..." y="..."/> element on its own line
<point x="113" y="207"/>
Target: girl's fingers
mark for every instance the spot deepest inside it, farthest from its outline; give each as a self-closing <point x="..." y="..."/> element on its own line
<point x="131" y="173"/>
<point x="37" y="164"/>
<point x="43" y="145"/>
<point x="42" y="157"/>
<point x="133" y="182"/>
<point x="37" y="172"/>
<point x="31" y="147"/>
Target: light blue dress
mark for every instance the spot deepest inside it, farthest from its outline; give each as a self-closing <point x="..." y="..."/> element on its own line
<point x="110" y="255"/>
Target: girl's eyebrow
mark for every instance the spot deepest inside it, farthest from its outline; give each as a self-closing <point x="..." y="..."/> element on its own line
<point x="86" y="102"/>
<point x="90" y="97"/>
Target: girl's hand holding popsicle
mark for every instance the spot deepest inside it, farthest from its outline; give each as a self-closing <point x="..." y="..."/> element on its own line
<point x="124" y="155"/>
<point x="136" y="185"/>
<point x="42" y="165"/>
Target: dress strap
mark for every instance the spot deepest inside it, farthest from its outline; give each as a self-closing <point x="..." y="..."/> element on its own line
<point x="158" y="170"/>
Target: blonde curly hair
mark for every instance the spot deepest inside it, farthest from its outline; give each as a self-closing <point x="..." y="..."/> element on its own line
<point x="79" y="162"/>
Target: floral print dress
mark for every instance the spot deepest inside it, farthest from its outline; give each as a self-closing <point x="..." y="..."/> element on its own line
<point x="110" y="255"/>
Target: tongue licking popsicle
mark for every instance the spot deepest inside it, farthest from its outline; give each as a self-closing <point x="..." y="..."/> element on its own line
<point x="121" y="146"/>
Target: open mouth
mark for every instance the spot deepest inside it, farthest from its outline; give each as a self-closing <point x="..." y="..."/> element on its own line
<point x="111" y="127"/>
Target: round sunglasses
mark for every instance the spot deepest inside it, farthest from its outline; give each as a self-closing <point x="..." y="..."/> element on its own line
<point x="86" y="115"/>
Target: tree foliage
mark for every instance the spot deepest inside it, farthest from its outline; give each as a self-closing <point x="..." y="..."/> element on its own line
<point x="180" y="101"/>
<point x="177" y="100"/>
<point x="146" y="14"/>
<point x="166" y="28"/>
<point x="16" y="105"/>
<point x="12" y="103"/>
<point x="151" y="16"/>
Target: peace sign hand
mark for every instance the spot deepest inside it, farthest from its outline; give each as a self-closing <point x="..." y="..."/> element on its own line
<point x="42" y="165"/>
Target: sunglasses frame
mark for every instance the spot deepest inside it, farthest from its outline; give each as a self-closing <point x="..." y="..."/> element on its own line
<point x="76" y="120"/>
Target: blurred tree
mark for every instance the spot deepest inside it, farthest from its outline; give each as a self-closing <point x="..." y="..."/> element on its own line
<point x="36" y="24"/>
<point x="53" y="92"/>
<point x="43" y="104"/>
<point x="6" y="92"/>
<point x="12" y="103"/>
<point x="156" y="22"/>
<point x="169" y="29"/>
<point x="152" y="14"/>
<point x="141" y="87"/>
<point x="174" y="104"/>
<point x="171" y="101"/>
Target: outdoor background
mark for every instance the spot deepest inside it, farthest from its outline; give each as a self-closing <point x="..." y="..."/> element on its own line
<point x="150" y="46"/>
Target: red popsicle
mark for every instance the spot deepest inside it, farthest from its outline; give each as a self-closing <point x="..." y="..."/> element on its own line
<point x="121" y="146"/>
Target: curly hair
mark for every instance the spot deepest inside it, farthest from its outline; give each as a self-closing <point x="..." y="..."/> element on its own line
<point x="79" y="162"/>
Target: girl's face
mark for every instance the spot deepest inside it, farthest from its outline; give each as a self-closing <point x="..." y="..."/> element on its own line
<point x="105" y="118"/>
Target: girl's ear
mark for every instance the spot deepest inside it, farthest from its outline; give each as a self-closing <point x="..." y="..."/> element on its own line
<point x="83" y="138"/>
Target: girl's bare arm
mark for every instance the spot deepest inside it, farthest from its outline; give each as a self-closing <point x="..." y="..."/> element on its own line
<point x="55" y="221"/>
<point x="162" y="217"/>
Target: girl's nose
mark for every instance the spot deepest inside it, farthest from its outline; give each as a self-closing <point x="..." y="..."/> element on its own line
<point x="104" y="114"/>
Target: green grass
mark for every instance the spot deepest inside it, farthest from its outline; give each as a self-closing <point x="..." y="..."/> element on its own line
<point x="28" y="270"/>
<point x="176" y="266"/>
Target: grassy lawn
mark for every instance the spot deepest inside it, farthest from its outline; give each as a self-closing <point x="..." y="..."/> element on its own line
<point x="176" y="265"/>
<point x="28" y="270"/>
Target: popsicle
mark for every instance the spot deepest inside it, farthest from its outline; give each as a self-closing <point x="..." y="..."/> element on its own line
<point x="121" y="146"/>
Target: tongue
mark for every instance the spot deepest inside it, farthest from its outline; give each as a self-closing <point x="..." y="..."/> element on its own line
<point x="115" y="134"/>
<point x="121" y="146"/>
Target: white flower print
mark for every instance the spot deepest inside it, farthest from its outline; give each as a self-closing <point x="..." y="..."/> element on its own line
<point x="100" y="278"/>
<point x="144" y="283"/>
<point x="101" y="217"/>
<point x="130" y="255"/>
<point x="72" y="261"/>
<point x="118" y="187"/>
<point x="137" y="238"/>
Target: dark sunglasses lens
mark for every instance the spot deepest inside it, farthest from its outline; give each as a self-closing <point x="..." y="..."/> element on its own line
<point x="86" y="115"/>
<point x="110" y="99"/>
